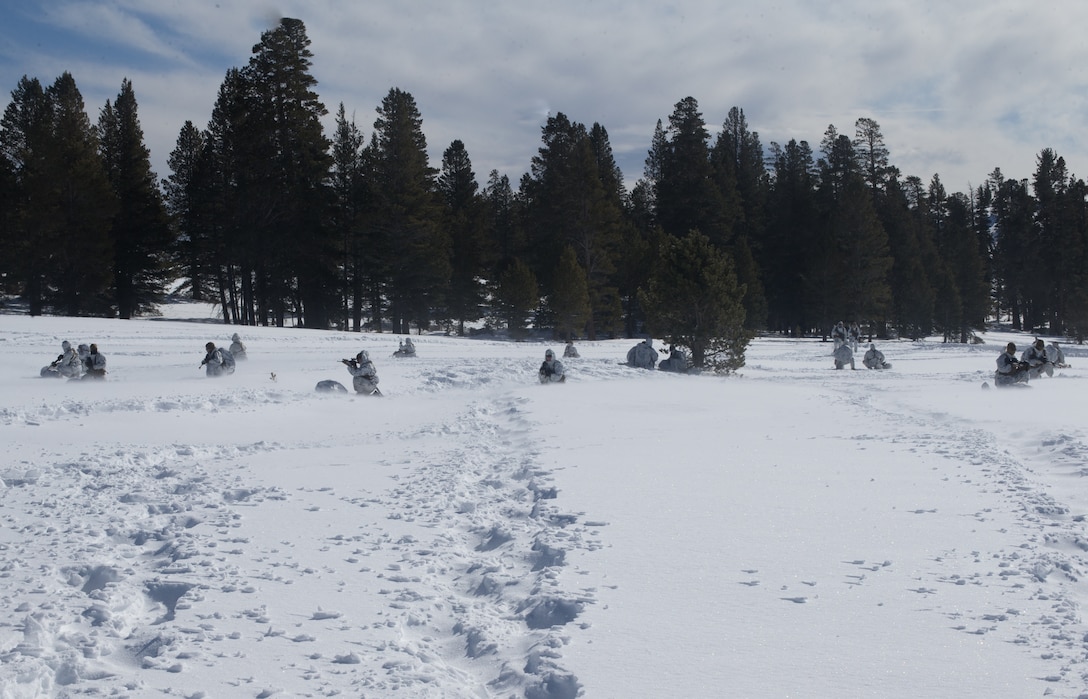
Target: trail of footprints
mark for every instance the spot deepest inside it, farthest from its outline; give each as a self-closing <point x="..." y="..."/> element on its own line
<point x="1046" y="572"/>
<point x="493" y="570"/>
<point x="485" y="586"/>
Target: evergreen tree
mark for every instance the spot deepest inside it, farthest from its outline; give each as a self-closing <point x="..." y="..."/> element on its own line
<point x="141" y="232"/>
<point x="505" y="240"/>
<point x="738" y="156"/>
<point x="608" y="171"/>
<point x="235" y="203"/>
<point x="687" y="195"/>
<point x="749" y="277"/>
<point x="286" y="114"/>
<point x="872" y="154"/>
<point x="791" y="241"/>
<point x="464" y="221"/>
<point x="58" y="205"/>
<point x="1013" y="210"/>
<point x="1076" y="248"/>
<point x="407" y="212"/>
<point x="85" y="202"/>
<point x="1053" y="260"/>
<point x="25" y="138"/>
<point x="180" y="195"/>
<point x="693" y="301"/>
<point x="982" y="225"/>
<point x="902" y="213"/>
<point x="8" y="203"/>
<point x="569" y="301"/>
<point x="959" y="249"/>
<point x="861" y="244"/>
<point x="517" y="297"/>
<point x="850" y="279"/>
<point x="347" y="215"/>
<point x="569" y="202"/>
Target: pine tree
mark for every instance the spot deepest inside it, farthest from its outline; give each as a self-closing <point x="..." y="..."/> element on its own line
<point x="791" y="242"/>
<point x="141" y="232"/>
<point x="872" y="154"/>
<point x="910" y="243"/>
<point x="26" y="132"/>
<point x="505" y="241"/>
<point x="517" y="297"/>
<point x="180" y="195"/>
<point x="960" y="251"/>
<point x="569" y="301"/>
<point x="59" y="205"/>
<point x="8" y="203"/>
<point x="347" y="215"/>
<point x="463" y="216"/>
<point x="1054" y="257"/>
<point x="850" y="277"/>
<point x="1014" y="209"/>
<point x="687" y="196"/>
<point x="693" y="301"/>
<point x="407" y="212"/>
<point x="86" y="204"/>
<point x="235" y="203"/>
<point x="301" y="262"/>
<point x="573" y="198"/>
<point x="739" y="165"/>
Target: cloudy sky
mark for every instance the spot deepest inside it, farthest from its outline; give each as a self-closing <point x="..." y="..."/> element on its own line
<point x="958" y="88"/>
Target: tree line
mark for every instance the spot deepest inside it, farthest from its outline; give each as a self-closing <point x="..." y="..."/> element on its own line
<point x="722" y="238"/>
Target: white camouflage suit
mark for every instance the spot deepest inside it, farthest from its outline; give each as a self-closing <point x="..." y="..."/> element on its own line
<point x="364" y="377"/>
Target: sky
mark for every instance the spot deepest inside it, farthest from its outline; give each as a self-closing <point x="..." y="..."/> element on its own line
<point x="958" y="89"/>
<point x="794" y="531"/>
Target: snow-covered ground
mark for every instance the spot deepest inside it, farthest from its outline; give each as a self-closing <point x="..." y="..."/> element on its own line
<point x="794" y="531"/>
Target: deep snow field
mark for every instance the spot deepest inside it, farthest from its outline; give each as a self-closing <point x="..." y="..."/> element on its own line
<point x="793" y="531"/>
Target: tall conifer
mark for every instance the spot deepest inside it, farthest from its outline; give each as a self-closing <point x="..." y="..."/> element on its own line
<point x="141" y="233"/>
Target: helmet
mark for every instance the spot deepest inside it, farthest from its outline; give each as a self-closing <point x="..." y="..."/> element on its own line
<point x="1039" y="344"/>
<point x="66" y="345"/>
<point x="549" y="354"/>
<point x="1011" y="347"/>
<point x="210" y="346"/>
<point x="235" y="338"/>
<point x="83" y="348"/>
<point x="363" y="356"/>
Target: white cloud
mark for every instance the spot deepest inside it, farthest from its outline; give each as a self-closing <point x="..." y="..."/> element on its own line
<point x="942" y="79"/>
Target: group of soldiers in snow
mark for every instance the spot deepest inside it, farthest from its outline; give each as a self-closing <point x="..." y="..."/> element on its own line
<point x="641" y="356"/>
<point x="873" y="359"/>
<point x="219" y="361"/>
<point x="83" y="362"/>
<point x="86" y="362"/>
<point x="1038" y="359"/>
<point x="847" y="342"/>
<point x="644" y="356"/>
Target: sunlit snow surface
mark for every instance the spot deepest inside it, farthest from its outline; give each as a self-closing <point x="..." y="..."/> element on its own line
<point x="794" y="531"/>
